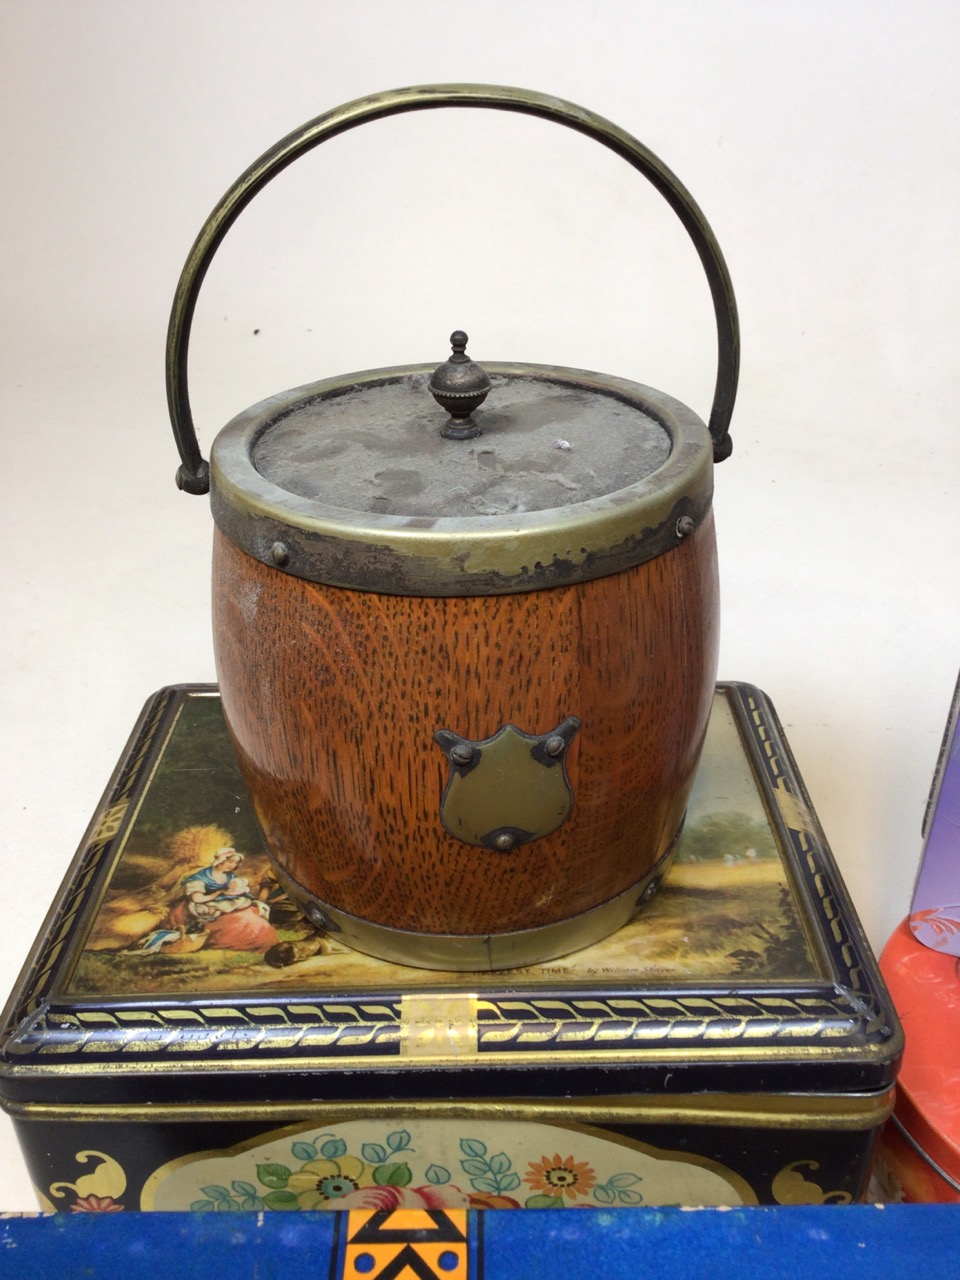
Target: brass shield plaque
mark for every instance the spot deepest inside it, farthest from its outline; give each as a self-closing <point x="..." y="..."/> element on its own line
<point x="507" y="790"/>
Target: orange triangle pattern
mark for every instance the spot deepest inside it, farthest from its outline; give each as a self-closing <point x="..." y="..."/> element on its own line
<point x="406" y="1244"/>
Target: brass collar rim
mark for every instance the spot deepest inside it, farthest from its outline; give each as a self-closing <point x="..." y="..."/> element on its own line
<point x="472" y="555"/>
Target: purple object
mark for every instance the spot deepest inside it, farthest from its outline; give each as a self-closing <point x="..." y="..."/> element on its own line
<point x="935" y="910"/>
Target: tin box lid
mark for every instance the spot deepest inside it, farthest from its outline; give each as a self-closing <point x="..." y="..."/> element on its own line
<point x="558" y="476"/>
<point x="744" y="989"/>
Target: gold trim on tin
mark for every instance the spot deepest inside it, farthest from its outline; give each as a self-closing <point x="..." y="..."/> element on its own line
<point x="440" y="1026"/>
<point x="792" y="1186"/>
<point x="105" y="1179"/>
<point x="793" y="810"/>
<point x="669" y="1055"/>
<point x="848" y="1112"/>
<point x="110" y="821"/>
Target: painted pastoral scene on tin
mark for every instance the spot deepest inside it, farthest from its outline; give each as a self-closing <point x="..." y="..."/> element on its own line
<point x="191" y="905"/>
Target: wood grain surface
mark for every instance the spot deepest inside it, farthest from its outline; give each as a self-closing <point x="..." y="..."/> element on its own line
<point x="332" y="698"/>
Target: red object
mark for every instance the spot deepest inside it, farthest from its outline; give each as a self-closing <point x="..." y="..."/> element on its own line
<point x="920" y="1146"/>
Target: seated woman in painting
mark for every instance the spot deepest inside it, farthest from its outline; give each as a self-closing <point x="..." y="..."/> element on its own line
<point x="215" y="897"/>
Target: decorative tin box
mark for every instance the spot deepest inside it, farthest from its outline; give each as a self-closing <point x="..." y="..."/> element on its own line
<point x="181" y="1037"/>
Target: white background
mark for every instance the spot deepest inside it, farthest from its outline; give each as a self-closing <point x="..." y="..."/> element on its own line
<point x="821" y="139"/>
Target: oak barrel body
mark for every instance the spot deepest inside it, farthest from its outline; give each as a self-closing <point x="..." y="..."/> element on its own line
<point x="333" y="698"/>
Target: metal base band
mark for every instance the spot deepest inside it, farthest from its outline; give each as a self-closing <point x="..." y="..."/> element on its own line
<point x="477" y="953"/>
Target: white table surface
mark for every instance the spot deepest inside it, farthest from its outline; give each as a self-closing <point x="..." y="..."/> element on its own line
<point x="823" y="143"/>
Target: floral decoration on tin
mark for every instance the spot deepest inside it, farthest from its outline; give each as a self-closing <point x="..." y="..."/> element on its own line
<point x="324" y="1174"/>
<point x="331" y="1171"/>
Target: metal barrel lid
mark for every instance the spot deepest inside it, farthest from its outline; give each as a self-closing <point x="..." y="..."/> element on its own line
<point x="363" y="482"/>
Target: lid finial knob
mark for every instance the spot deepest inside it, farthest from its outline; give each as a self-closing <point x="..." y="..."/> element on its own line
<point x="459" y="386"/>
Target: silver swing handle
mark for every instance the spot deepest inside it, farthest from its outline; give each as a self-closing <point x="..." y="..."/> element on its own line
<point x="194" y="472"/>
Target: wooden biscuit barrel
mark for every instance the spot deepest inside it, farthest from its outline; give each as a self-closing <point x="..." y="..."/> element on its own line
<point x="466" y="661"/>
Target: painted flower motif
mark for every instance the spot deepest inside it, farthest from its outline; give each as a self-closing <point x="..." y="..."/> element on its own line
<point x="323" y="1184"/>
<point x="96" y="1204"/>
<point x="448" y="1197"/>
<point x="556" y="1177"/>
